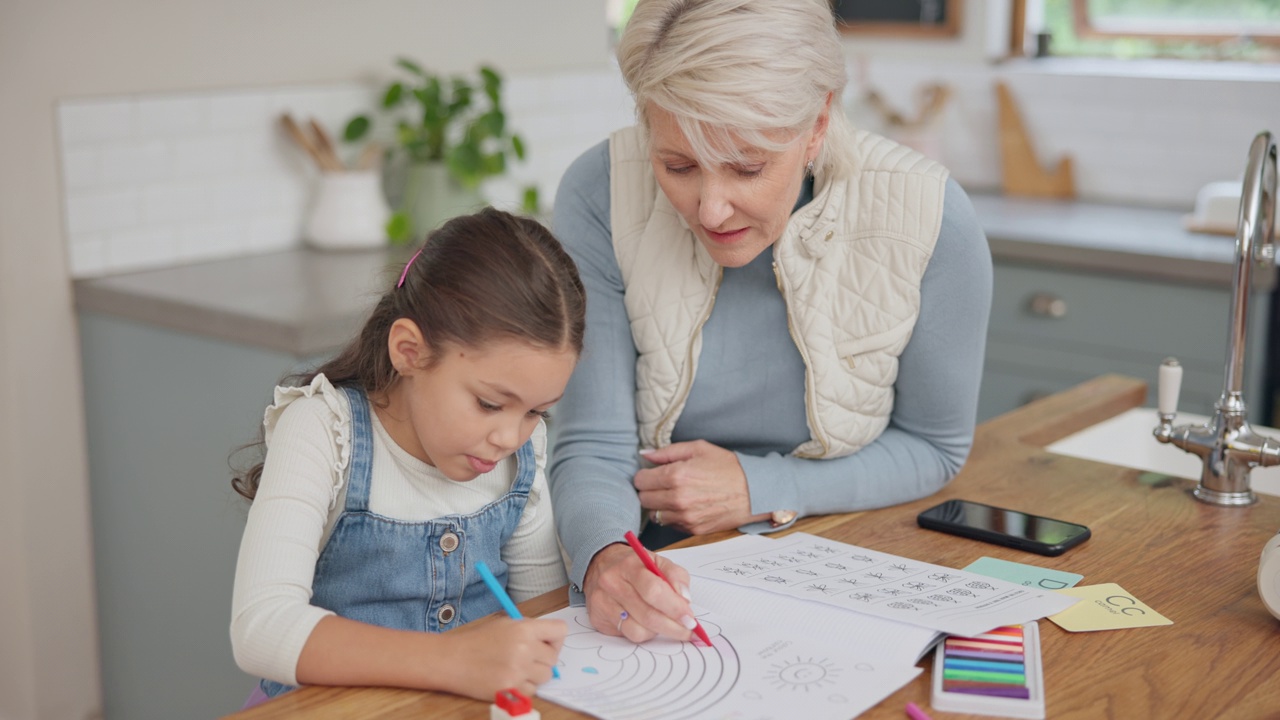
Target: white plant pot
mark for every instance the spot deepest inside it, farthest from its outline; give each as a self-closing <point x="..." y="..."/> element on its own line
<point x="349" y="211"/>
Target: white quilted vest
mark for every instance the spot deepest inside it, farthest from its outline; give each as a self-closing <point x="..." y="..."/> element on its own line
<point x="848" y="264"/>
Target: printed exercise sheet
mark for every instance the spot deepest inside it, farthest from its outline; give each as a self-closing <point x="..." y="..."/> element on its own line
<point x="809" y="567"/>
<point x="754" y="669"/>
<point x="893" y="642"/>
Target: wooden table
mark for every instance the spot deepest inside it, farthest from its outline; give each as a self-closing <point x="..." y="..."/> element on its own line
<point x="1195" y="564"/>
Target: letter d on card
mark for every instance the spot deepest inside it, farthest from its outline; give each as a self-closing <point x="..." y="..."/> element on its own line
<point x="1023" y="574"/>
<point x="1106" y="607"/>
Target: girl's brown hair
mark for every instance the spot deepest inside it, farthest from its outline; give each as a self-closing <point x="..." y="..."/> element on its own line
<point x="478" y="278"/>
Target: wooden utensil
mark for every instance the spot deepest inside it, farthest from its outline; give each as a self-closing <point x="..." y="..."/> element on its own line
<point x="1022" y="174"/>
<point x="324" y="143"/>
<point x="305" y="142"/>
<point x="370" y="157"/>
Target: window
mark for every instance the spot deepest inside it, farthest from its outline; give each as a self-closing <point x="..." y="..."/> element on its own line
<point x="1188" y="29"/>
<point x="616" y="13"/>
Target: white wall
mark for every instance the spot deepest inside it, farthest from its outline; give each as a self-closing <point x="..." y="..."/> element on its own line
<point x="56" y="49"/>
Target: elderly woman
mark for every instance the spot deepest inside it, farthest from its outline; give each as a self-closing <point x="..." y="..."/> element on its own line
<point x="785" y="316"/>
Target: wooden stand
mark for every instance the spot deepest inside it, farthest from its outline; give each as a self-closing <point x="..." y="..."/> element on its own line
<point x="1022" y="174"/>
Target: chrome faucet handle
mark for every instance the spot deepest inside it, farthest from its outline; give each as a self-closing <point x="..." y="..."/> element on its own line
<point x="1168" y="388"/>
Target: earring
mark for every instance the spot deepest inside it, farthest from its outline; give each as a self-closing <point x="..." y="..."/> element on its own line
<point x="809" y="168"/>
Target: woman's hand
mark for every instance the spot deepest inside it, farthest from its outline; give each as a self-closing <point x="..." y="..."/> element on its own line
<point x="502" y="653"/>
<point x="696" y="487"/>
<point x="617" y="581"/>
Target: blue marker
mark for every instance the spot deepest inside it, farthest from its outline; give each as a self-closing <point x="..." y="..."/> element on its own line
<point x="505" y="600"/>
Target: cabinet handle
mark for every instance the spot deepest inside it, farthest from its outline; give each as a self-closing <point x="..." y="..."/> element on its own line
<point x="1047" y="305"/>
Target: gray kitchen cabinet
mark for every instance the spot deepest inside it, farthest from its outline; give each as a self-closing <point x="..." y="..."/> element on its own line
<point x="1082" y="290"/>
<point x="1052" y="329"/>
<point x="178" y="366"/>
<point x="163" y="412"/>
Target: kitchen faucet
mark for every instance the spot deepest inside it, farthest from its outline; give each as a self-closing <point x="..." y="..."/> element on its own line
<point x="1226" y="444"/>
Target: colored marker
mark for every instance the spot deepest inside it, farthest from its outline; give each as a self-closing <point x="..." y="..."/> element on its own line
<point x="993" y="666"/>
<point x="952" y="675"/>
<point x="980" y="655"/>
<point x="1020" y="692"/>
<point x="915" y="713"/>
<point x="504" y="600"/>
<point x="647" y="559"/>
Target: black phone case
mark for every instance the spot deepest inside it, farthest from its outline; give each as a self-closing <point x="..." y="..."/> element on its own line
<point x="1000" y="539"/>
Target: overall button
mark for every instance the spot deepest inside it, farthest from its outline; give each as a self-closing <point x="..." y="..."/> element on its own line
<point x="445" y="614"/>
<point x="448" y="542"/>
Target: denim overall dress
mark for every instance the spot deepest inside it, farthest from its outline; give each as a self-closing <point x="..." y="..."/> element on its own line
<point x="411" y="575"/>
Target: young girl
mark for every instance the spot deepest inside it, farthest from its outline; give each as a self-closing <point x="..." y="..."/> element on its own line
<point x="396" y="466"/>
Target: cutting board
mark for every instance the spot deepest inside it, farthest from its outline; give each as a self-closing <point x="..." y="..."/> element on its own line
<point x="1021" y="172"/>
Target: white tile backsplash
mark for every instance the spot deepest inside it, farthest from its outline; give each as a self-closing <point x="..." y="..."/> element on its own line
<point x="134" y="162"/>
<point x="89" y="256"/>
<point x="150" y="181"/>
<point x="211" y="240"/>
<point x="98" y="210"/>
<point x="174" y="203"/>
<point x="244" y="111"/>
<point x="140" y="248"/>
<point x="80" y="168"/>
<point x="195" y="156"/>
<point x="157" y="180"/>
<point x="82" y="123"/>
<point x="1136" y="135"/>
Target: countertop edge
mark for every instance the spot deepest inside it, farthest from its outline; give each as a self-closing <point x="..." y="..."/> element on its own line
<point x="301" y="302"/>
<point x="307" y="302"/>
<point x="1119" y="262"/>
<point x="192" y="318"/>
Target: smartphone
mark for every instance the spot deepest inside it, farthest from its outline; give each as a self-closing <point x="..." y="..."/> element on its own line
<point x="1010" y="528"/>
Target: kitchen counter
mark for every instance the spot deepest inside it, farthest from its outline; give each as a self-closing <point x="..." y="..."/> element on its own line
<point x="302" y="302"/>
<point x="1193" y="563"/>
<point x="306" y="302"/>
<point x="1150" y="243"/>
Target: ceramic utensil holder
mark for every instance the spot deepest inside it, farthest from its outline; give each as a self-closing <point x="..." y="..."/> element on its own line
<point x="349" y="211"/>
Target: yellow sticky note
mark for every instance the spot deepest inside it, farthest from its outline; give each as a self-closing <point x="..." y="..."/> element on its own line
<point x="1106" y="607"/>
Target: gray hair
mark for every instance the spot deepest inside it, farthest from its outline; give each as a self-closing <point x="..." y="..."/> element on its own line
<point x="756" y="69"/>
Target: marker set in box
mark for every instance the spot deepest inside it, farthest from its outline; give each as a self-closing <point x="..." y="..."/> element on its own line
<point x="996" y="673"/>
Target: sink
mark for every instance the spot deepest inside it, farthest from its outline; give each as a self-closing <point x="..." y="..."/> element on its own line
<point x="1126" y="440"/>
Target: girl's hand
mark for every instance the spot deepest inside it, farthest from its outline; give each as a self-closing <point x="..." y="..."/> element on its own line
<point x="696" y="487"/>
<point x="616" y="581"/>
<point x="502" y="653"/>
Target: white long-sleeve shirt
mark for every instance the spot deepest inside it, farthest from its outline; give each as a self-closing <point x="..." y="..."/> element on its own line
<point x="301" y="494"/>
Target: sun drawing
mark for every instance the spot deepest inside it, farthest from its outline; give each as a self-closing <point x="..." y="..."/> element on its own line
<point x="801" y="674"/>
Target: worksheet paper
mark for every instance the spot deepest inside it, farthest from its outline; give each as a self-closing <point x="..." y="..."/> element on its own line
<point x="754" y="669"/>
<point x="893" y="643"/>
<point x="811" y="568"/>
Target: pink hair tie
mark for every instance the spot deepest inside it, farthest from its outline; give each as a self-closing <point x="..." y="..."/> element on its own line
<point x="405" y="272"/>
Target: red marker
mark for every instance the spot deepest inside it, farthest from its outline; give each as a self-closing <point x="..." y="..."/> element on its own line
<point x="647" y="559"/>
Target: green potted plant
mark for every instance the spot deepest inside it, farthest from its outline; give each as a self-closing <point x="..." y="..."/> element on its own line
<point x="453" y="134"/>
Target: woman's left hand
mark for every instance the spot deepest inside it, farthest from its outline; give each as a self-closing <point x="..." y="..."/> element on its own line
<point x="697" y="487"/>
